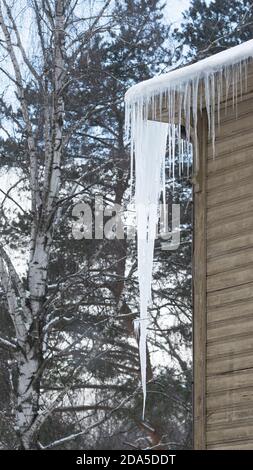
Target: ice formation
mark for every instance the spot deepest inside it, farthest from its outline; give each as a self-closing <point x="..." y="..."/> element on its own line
<point x="183" y="93"/>
<point x="149" y="159"/>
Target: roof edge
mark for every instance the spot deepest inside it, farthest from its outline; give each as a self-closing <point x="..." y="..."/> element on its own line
<point x="178" y="77"/>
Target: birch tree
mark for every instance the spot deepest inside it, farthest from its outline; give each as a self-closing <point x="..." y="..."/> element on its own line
<point x="53" y="24"/>
<point x="69" y="347"/>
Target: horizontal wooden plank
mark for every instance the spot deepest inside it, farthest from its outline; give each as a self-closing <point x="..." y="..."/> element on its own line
<point x="234" y="226"/>
<point x="232" y="176"/>
<point x="229" y="399"/>
<point x="229" y="144"/>
<point x="230" y="295"/>
<point x="228" y="261"/>
<point x="218" y="214"/>
<point x="223" y="365"/>
<point x="233" y="159"/>
<point x="246" y="444"/>
<point x="230" y="381"/>
<point x="234" y="127"/>
<point x="242" y="343"/>
<point x="230" y="327"/>
<point x="228" y="313"/>
<point x="230" y="278"/>
<point x="239" y="260"/>
<point x="228" y="434"/>
<point x="230" y="244"/>
<point x="229" y="194"/>
<point x="229" y="418"/>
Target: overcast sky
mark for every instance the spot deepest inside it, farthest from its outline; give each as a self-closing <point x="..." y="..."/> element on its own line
<point x="174" y="9"/>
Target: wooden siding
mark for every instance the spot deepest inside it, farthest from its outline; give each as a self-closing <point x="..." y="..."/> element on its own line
<point x="229" y="282"/>
<point x="223" y="279"/>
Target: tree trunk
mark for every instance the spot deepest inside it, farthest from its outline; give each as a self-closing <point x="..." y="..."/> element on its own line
<point x="30" y="359"/>
<point x="30" y="355"/>
<point x="27" y="397"/>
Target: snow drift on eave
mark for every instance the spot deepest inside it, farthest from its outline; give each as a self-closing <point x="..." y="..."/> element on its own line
<point x="179" y="91"/>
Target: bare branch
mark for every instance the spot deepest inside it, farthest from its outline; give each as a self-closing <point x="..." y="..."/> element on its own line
<point x="24" y="107"/>
<point x="7" y="196"/>
<point x="89" y="428"/>
<point x="7" y="343"/>
<point x="20" y="45"/>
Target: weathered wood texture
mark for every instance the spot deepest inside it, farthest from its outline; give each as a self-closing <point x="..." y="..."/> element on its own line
<point x="223" y="278"/>
<point x="199" y="290"/>
<point x="229" y="282"/>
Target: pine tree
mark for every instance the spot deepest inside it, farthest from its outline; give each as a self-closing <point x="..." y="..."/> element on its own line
<point x="89" y="352"/>
<point x="210" y="28"/>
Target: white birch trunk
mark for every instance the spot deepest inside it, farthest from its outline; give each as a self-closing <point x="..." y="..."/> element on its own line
<point x="27" y="309"/>
<point x="30" y="365"/>
<point x="30" y="359"/>
<point x="27" y="312"/>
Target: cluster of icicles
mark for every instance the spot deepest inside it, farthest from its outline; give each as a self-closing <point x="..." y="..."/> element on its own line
<point x="183" y="95"/>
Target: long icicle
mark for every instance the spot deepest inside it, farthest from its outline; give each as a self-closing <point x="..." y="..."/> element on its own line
<point x="183" y="99"/>
<point x="148" y="183"/>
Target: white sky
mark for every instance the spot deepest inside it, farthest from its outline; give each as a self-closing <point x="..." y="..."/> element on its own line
<point x="174" y="9"/>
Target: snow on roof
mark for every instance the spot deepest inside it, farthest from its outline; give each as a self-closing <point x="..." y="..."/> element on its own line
<point x="199" y="69"/>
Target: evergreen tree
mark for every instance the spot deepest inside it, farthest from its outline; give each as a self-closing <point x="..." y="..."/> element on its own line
<point x="83" y="332"/>
<point x="209" y="28"/>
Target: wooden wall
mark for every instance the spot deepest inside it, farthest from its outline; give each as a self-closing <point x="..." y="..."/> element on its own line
<point x="223" y="283"/>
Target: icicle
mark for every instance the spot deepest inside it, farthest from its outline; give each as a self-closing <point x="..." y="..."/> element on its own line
<point x="212" y="77"/>
<point x="180" y="153"/>
<point x="185" y="93"/>
<point x="149" y="158"/>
